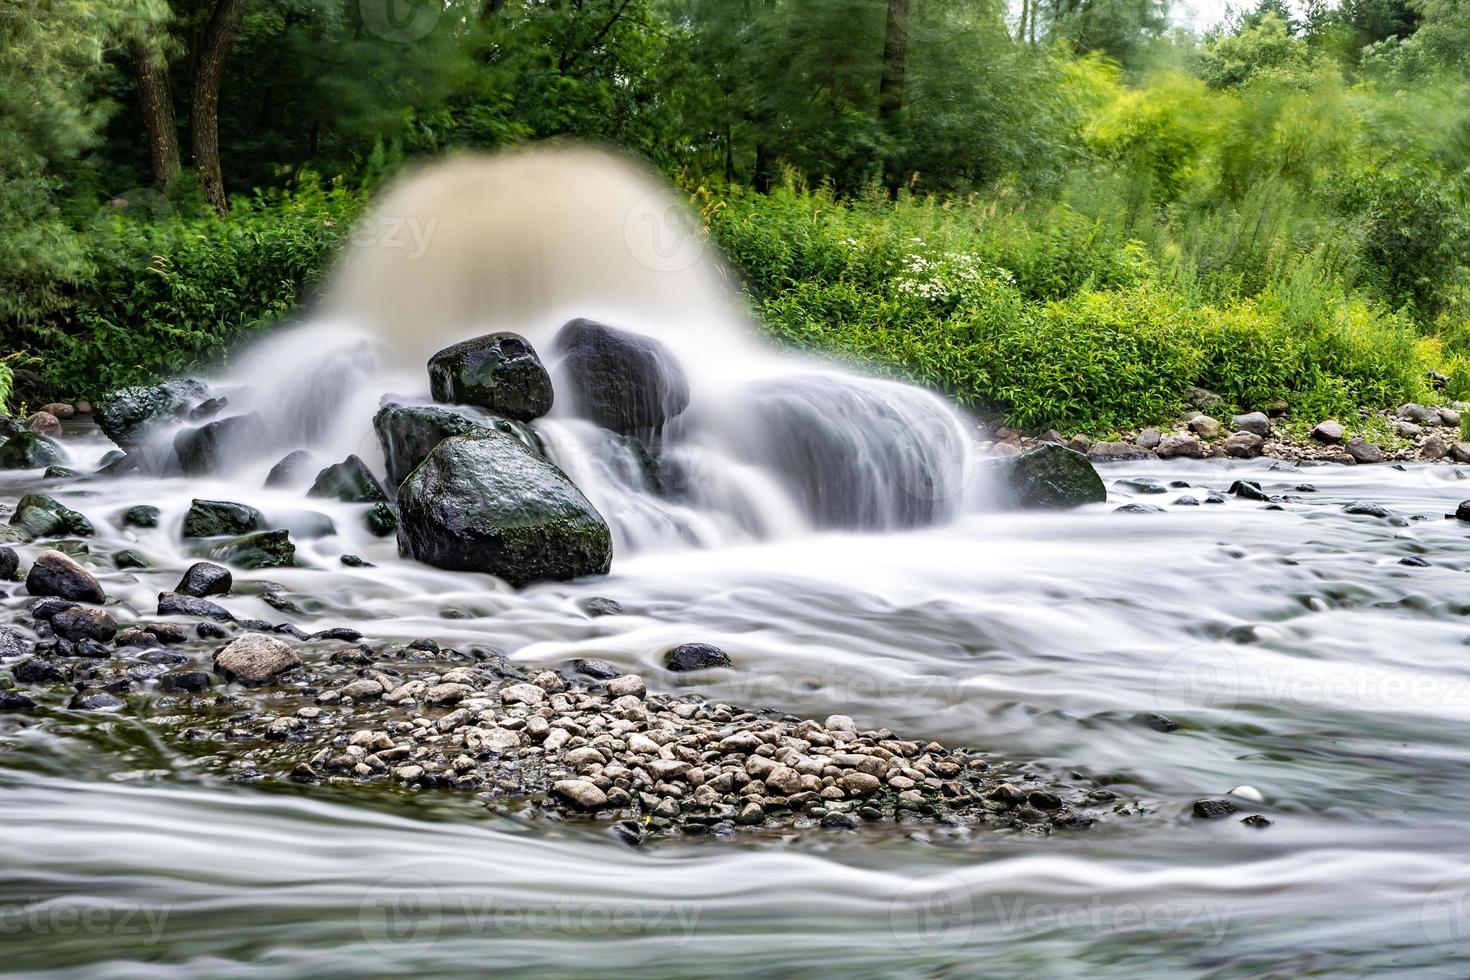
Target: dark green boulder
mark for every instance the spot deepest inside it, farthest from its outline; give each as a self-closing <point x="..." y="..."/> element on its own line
<point x="381" y="519"/>
<point x="213" y="518"/>
<point x="408" y="433"/>
<point x="43" y="516"/>
<point x="142" y="515"/>
<point x="499" y="372"/>
<point x="264" y="549"/>
<point x="349" y="481"/>
<point x="1053" y="476"/>
<point x="485" y="503"/>
<point x="129" y="416"/>
<point x="30" y="451"/>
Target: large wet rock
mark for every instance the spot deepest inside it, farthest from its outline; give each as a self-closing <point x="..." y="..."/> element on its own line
<point x="210" y="448"/>
<point x="264" y="549"/>
<point x="131" y="415"/>
<point x="9" y="563"/>
<point x="55" y="574"/>
<point x="205" y="578"/>
<point x="255" y="660"/>
<point x="486" y="504"/>
<point x="30" y="451"/>
<point x="349" y="481"/>
<point x="1054" y="476"/>
<point x="213" y="518"/>
<point x="44" y="516"/>
<point x="173" y="604"/>
<point x="499" y="371"/>
<point x="84" y="623"/>
<point x="622" y="381"/>
<point x="408" y="433"/>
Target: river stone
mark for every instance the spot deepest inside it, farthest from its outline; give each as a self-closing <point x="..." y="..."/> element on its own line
<point x="130" y="558"/>
<point x="1172" y="446"/>
<point x="601" y="606"/>
<point x="131" y="415"/>
<point x="210" y="448"/>
<point x="45" y="423"/>
<point x="213" y="518"/>
<point x="9" y="563"/>
<point x="499" y="371"/>
<point x="1422" y="414"/>
<point x="1364" y="451"/>
<point x="408" y="433"/>
<point x="43" y="516"/>
<point x="205" y="578"/>
<point x="1244" y="445"/>
<point x="1118" y="452"/>
<point x="622" y="381"/>
<point x="14" y="643"/>
<point x="56" y="574"/>
<point x="30" y="451"/>
<point x="1054" y="476"/>
<point x="173" y="604"/>
<point x="143" y="515"/>
<point x="37" y="671"/>
<point x="254" y="659"/>
<point x="1210" y="809"/>
<point x="15" y="701"/>
<point x="82" y="623"/>
<point x="293" y="470"/>
<point x="486" y="504"/>
<point x="381" y="519"/>
<point x="263" y="549"/>
<point x="1204" y="425"/>
<point x="696" y="656"/>
<point x="184" y="681"/>
<point x="95" y="699"/>
<point x="1255" y="422"/>
<point x="1328" y="431"/>
<point x="1433" y="447"/>
<point x="59" y="409"/>
<point x="349" y="481"/>
<point x="580" y="793"/>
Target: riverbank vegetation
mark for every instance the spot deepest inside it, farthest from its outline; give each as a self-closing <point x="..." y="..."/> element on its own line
<point x="1069" y="213"/>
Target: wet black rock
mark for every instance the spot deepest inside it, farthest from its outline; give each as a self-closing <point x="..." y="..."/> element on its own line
<point x="56" y="574"/>
<point x="44" y="516"/>
<point x="1462" y="511"/>
<point x="622" y="381"/>
<point x="209" y="448"/>
<point x="15" y="701"/>
<point x="131" y="415"/>
<point x="143" y="515"/>
<point x="59" y="473"/>
<point x="1367" y="508"/>
<point x="209" y="631"/>
<point x="338" y="633"/>
<point x="291" y="630"/>
<point x="264" y="549"/>
<point x="30" y="451"/>
<point x="95" y="699"/>
<point x="9" y="564"/>
<point x="486" y="504"/>
<point x="1248" y="489"/>
<point x="1160" y="723"/>
<point x="1210" y="809"/>
<point x="81" y="622"/>
<point x="1256" y="820"/>
<point x="215" y="518"/>
<point x="349" y="481"/>
<point x="353" y="561"/>
<point x="601" y="606"/>
<point x="381" y="520"/>
<point x="696" y="656"/>
<point x="205" y="578"/>
<point x="1140" y="486"/>
<point x="14" y="643"/>
<point x="293" y="470"/>
<point x="1138" y="509"/>
<point x="173" y="604"/>
<point x="50" y="606"/>
<point x="408" y="433"/>
<point x="597" y="669"/>
<point x="1186" y="501"/>
<point x="1053" y="476"/>
<point x="1414" y="561"/>
<point x="130" y="558"/>
<point x="499" y="371"/>
<point x="37" y="671"/>
<point x="184" y="681"/>
<point x="1043" y="800"/>
<point x="837" y="820"/>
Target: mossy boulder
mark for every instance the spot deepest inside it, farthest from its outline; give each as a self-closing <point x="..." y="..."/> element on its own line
<point x="408" y="433"/>
<point x="1053" y="476"/>
<point x="263" y="549"/>
<point x="30" y="451"/>
<point x="485" y="503"/>
<point x="131" y="415"/>
<point x="214" y="518"/>
<point x="499" y="372"/>
<point x="44" y="516"/>
<point x="349" y="481"/>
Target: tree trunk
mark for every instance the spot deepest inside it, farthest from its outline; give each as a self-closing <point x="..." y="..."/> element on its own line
<point x="895" y="61"/>
<point x="214" y="51"/>
<point x="159" y="123"/>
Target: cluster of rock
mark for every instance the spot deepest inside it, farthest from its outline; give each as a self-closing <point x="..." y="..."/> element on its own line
<point x="1426" y="432"/>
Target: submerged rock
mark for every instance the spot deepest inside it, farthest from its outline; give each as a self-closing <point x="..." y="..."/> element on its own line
<point x="209" y="448"/>
<point x="131" y="415"/>
<point x="213" y="518"/>
<point x="143" y="515"/>
<point x="293" y="470"/>
<point x="622" y="381"/>
<point x="205" y="578"/>
<point x="80" y="622"/>
<point x="30" y="451"/>
<point x="408" y="433"/>
<point x="499" y="371"/>
<point x="55" y="574"/>
<point x="349" y="481"/>
<point x="44" y="516"/>
<point x="263" y="549"/>
<point x="255" y="659"/>
<point x="696" y="656"/>
<point x="173" y="604"/>
<point x="486" y="504"/>
<point x="1054" y="476"/>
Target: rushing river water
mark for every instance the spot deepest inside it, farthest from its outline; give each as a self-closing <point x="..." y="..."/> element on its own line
<point x="1296" y="653"/>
